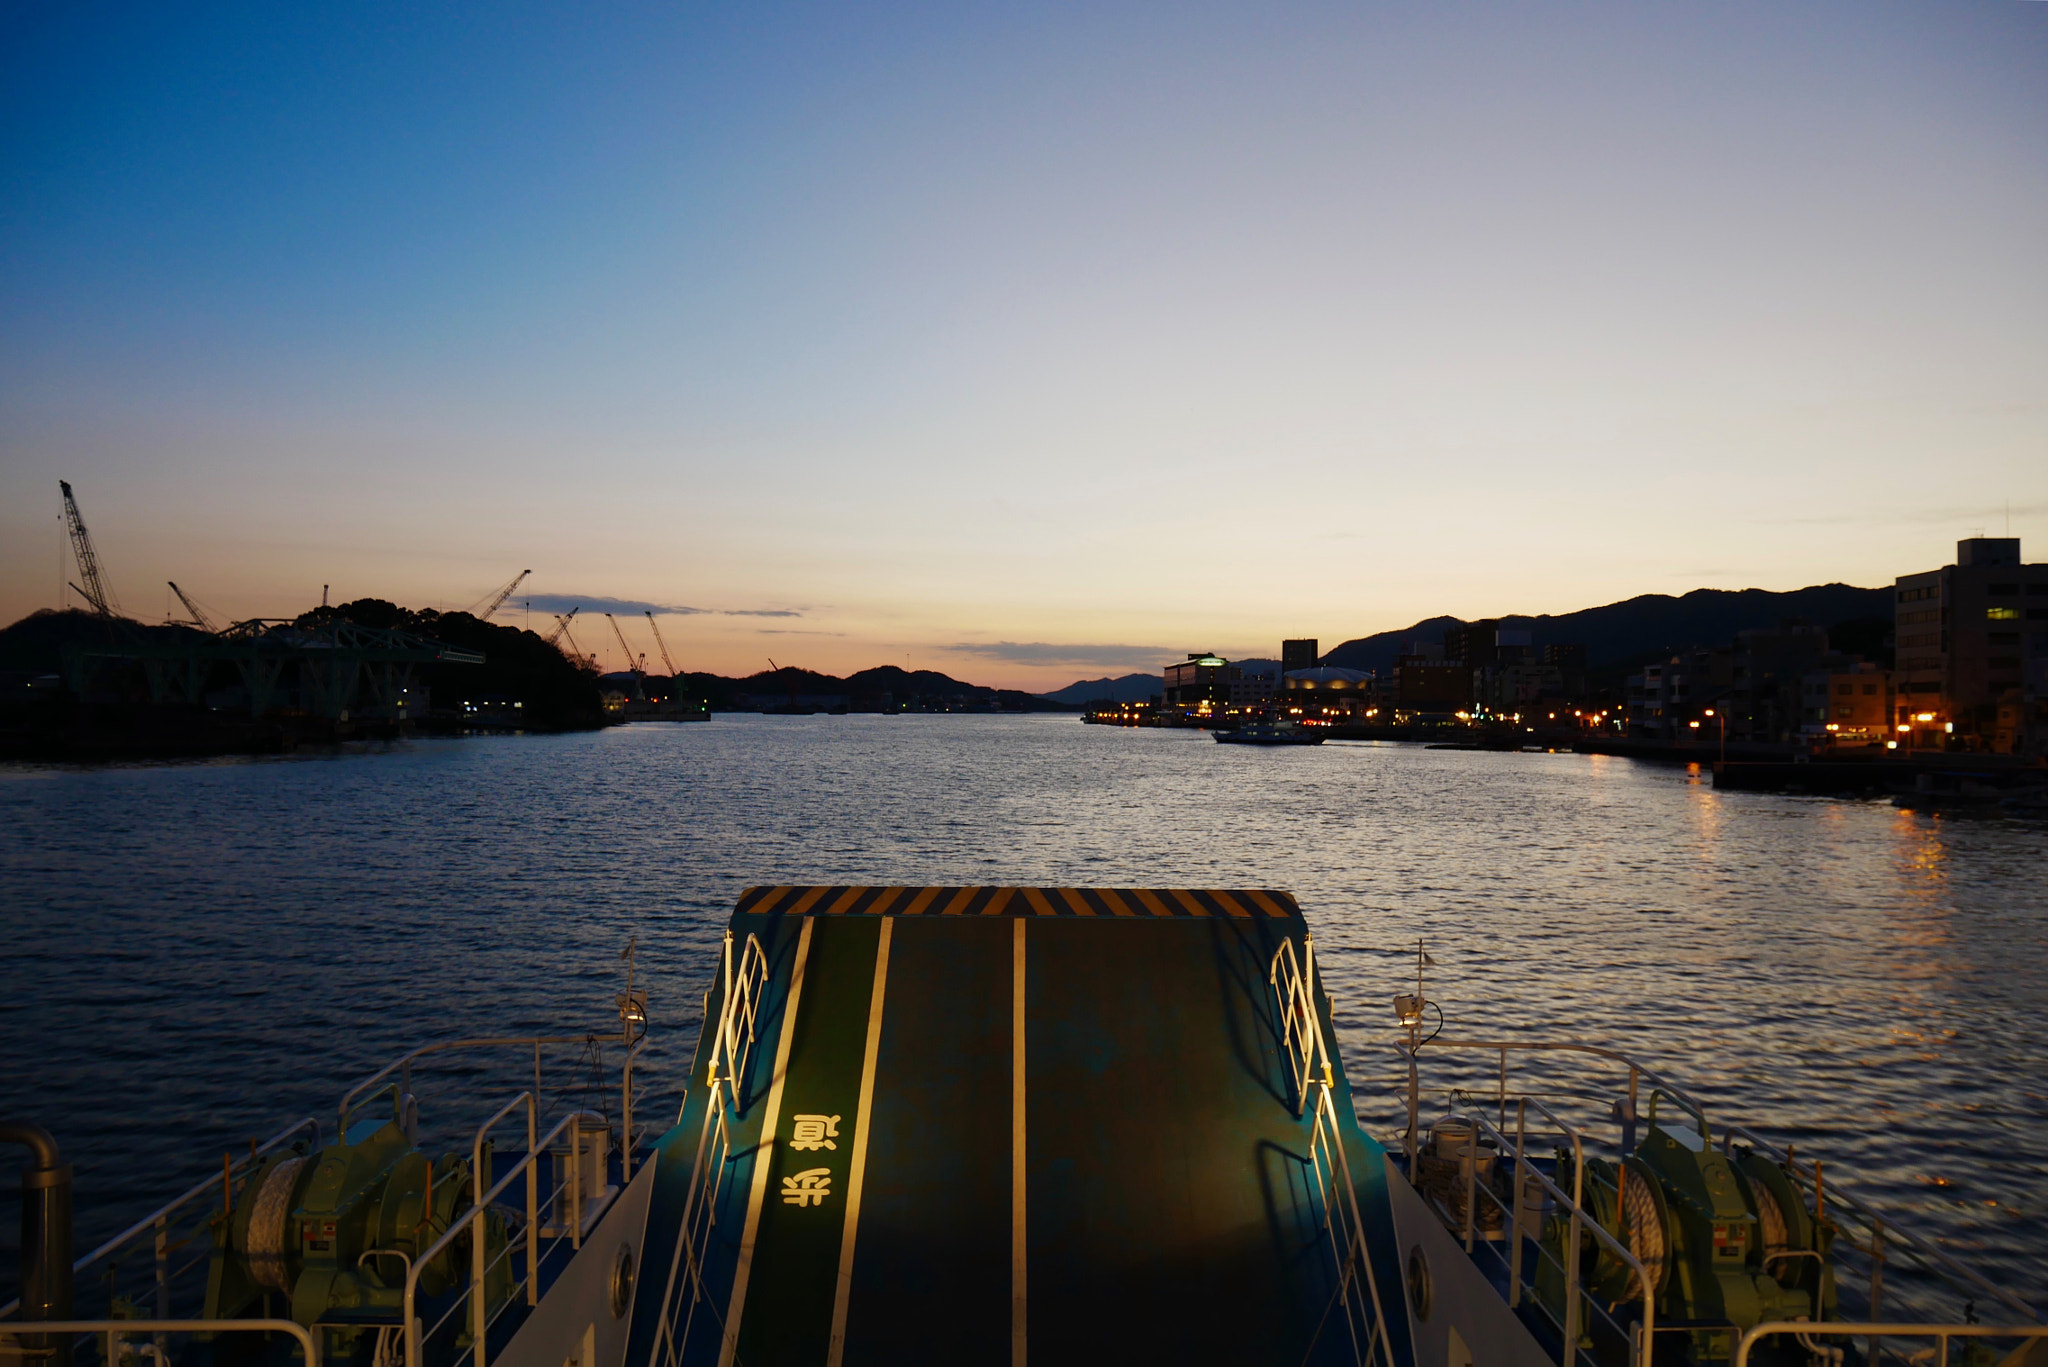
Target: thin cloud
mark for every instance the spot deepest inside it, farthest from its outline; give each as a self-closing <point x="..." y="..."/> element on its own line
<point x="562" y="602"/>
<point x="1045" y="653"/>
<point x="1988" y="519"/>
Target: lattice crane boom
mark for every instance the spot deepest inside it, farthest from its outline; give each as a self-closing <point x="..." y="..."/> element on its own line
<point x="562" y="626"/>
<point x="620" y="632"/>
<point x="575" y="651"/>
<point x="95" y="591"/>
<point x="492" y="602"/>
<point x="662" y="646"/>
<point x="199" y="618"/>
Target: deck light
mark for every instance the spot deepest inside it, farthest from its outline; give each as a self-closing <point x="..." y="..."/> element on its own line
<point x="1408" y="1010"/>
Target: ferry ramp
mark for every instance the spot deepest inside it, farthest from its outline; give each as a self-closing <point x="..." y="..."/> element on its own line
<point x="986" y="1125"/>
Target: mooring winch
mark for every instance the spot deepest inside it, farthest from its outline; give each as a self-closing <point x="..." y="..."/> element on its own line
<point x="328" y="1237"/>
<point x="1725" y="1245"/>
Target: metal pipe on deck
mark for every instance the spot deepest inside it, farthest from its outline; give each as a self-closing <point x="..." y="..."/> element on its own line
<point x="45" y="1231"/>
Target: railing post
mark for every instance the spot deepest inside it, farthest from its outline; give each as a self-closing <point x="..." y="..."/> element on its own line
<point x="1501" y="1122"/>
<point x="1876" y="1278"/>
<point x="1571" y="1287"/>
<point x="1521" y="1179"/>
<point x="1471" y="1185"/>
<point x="576" y="1179"/>
<point x="477" y="1321"/>
<point x="163" y="1285"/>
<point x="533" y="1192"/>
<point x="1414" y="1111"/>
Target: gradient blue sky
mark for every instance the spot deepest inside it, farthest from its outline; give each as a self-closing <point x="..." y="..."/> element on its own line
<point x="1022" y="342"/>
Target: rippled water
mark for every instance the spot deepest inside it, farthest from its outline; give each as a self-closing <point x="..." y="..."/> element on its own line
<point x="196" y="953"/>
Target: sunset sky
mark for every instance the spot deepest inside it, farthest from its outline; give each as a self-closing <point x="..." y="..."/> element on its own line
<point x="1027" y="343"/>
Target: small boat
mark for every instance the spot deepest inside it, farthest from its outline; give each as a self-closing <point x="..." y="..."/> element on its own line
<point x="1269" y="733"/>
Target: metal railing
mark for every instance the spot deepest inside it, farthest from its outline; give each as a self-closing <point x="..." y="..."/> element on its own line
<point x="1882" y="1240"/>
<point x="1858" y="1227"/>
<point x="162" y="1222"/>
<point x="116" y="1333"/>
<point x="476" y="1224"/>
<point x="1638" y="1073"/>
<point x="1580" y="1221"/>
<point x="1293" y="981"/>
<point x="1301" y="1024"/>
<point x="1807" y="1331"/>
<point x="353" y="1099"/>
<point x="744" y="979"/>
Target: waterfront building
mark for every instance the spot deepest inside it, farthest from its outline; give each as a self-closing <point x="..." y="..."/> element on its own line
<point x="1201" y="683"/>
<point x="1972" y="649"/>
<point x="1428" y="684"/>
<point x="1512" y="689"/>
<point x="1302" y="654"/>
<point x="1848" y="707"/>
<point x="1328" y="678"/>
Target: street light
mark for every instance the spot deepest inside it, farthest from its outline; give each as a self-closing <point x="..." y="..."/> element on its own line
<point x="1722" y="719"/>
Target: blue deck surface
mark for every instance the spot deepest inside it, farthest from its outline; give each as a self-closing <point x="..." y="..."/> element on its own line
<point x="1168" y="1211"/>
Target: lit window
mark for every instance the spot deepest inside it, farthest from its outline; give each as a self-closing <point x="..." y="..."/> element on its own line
<point x="2001" y="614"/>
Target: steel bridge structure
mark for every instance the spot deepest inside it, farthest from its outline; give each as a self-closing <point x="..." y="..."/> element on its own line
<point x="336" y="669"/>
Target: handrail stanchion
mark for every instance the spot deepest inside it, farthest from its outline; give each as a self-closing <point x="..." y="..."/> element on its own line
<point x="533" y="1201"/>
<point x="1515" y="1228"/>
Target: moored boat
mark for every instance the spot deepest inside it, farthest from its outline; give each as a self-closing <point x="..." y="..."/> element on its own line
<point x="1269" y="733"/>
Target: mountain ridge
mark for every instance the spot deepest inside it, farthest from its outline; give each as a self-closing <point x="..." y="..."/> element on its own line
<point x="1647" y="624"/>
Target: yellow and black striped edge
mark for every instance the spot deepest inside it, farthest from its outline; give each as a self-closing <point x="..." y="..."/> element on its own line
<point x="1248" y="904"/>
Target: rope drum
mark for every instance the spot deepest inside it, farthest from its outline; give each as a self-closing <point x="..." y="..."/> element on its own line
<point x="267" y="1218"/>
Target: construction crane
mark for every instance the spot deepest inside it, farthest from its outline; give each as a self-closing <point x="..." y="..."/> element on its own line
<point x="95" y="591"/>
<point x="491" y="602"/>
<point x="562" y="633"/>
<point x="199" y="619"/>
<point x="662" y="646"/>
<point x="562" y="627"/>
<point x="632" y="668"/>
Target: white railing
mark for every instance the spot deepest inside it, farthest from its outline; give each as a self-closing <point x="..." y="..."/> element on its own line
<point x="1301" y="1023"/>
<point x="1858" y="1227"/>
<point x="744" y="979"/>
<point x="116" y="1333"/>
<point x="1293" y="980"/>
<point x="353" y="1099"/>
<point x="1579" y="1221"/>
<point x="1882" y="1240"/>
<point x="1808" y="1332"/>
<point x="476" y="1223"/>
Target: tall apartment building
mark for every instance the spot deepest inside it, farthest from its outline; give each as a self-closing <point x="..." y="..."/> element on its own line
<point x="1299" y="655"/>
<point x="1972" y="651"/>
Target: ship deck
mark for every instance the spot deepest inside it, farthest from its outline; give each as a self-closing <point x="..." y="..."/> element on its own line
<point x="981" y="1123"/>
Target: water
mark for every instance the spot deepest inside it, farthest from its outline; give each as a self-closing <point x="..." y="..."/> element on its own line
<point x="197" y="953"/>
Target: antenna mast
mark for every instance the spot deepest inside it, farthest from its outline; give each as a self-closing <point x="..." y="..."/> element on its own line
<point x="95" y="590"/>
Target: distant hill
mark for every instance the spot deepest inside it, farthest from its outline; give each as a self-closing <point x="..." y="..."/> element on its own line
<point x="1129" y="688"/>
<point x="1646" y="625"/>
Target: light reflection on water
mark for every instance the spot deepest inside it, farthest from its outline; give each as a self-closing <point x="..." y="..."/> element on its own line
<point x="197" y="953"/>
